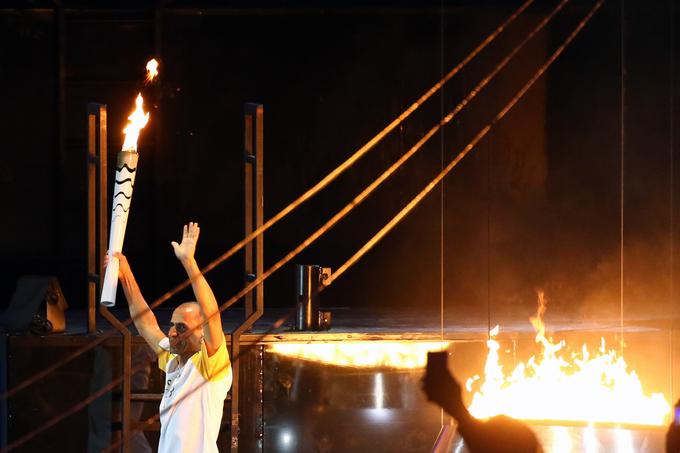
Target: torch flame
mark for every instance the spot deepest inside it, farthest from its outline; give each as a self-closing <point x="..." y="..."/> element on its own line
<point x="586" y="387"/>
<point x="151" y="70"/>
<point x="138" y="120"/>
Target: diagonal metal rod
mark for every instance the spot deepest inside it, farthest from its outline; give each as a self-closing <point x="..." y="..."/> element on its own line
<point x="414" y="202"/>
<point x="351" y="160"/>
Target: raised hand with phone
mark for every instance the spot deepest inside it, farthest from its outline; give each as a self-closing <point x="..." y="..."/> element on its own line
<point x="496" y="435"/>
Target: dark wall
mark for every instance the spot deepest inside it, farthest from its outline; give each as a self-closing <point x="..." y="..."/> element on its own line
<point x="535" y="205"/>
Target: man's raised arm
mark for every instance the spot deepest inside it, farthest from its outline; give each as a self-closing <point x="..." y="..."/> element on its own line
<point x="144" y="319"/>
<point x="213" y="334"/>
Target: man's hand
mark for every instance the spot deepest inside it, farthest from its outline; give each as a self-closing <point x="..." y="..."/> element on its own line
<point x="123" y="264"/>
<point x="185" y="250"/>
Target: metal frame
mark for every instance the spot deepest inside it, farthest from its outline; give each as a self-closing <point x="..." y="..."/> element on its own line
<point x="96" y="238"/>
<point x="4" y="375"/>
<point x="253" y="150"/>
<point x="97" y="228"/>
<point x="97" y="216"/>
<point x="254" y="213"/>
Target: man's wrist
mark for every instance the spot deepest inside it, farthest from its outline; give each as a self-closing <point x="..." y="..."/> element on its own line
<point x="189" y="263"/>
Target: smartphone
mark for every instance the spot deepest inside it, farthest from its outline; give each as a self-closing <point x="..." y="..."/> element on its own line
<point x="676" y="419"/>
<point x="437" y="363"/>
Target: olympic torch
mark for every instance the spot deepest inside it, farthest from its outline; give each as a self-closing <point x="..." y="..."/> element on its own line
<point x="126" y="170"/>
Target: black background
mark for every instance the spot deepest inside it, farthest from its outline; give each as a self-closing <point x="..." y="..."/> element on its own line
<point x="536" y="205"/>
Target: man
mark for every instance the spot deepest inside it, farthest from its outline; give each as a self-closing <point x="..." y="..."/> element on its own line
<point x="193" y="355"/>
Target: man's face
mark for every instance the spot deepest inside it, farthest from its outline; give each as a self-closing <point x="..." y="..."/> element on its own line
<point x="185" y="318"/>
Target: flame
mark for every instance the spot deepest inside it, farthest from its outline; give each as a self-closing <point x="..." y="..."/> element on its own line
<point x="151" y="70"/>
<point x="138" y="120"/>
<point x="586" y="387"/>
<point x="362" y="354"/>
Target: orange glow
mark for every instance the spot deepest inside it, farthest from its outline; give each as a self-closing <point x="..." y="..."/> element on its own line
<point x="585" y="387"/>
<point x="151" y="70"/>
<point x="138" y="120"/>
<point x="362" y="354"/>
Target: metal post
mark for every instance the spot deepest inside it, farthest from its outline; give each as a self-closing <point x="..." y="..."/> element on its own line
<point x="96" y="205"/>
<point x="259" y="199"/>
<point x="249" y="159"/>
<point x="97" y="214"/>
<point x="4" y="374"/>
<point x="254" y="114"/>
<point x="127" y="381"/>
<point x="254" y="198"/>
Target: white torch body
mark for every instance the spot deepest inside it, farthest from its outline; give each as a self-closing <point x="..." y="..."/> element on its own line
<point x="126" y="169"/>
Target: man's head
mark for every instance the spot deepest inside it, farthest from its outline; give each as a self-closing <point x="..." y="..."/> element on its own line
<point x="186" y="317"/>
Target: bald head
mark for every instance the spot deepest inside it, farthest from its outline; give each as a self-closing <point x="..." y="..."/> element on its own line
<point x="187" y="320"/>
<point x="191" y="312"/>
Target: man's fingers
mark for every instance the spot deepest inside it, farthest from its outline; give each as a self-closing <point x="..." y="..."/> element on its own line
<point x="174" y="245"/>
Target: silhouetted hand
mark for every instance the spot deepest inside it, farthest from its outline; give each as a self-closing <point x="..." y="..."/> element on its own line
<point x="673" y="435"/>
<point x="499" y="434"/>
<point x="443" y="389"/>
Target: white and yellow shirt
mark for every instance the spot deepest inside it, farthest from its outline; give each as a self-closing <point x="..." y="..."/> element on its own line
<point x="191" y="408"/>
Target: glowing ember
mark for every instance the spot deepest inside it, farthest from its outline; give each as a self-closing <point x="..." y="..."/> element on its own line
<point x="362" y="354"/>
<point x="138" y="120"/>
<point x="151" y="70"/>
<point x="583" y="388"/>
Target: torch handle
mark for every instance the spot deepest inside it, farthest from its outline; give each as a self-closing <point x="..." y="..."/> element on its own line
<point x="110" y="283"/>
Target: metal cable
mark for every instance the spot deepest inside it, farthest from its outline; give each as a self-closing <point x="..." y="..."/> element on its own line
<point x="396" y="219"/>
<point x="621" y="182"/>
<point x="671" y="189"/>
<point x="441" y="193"/>
<point x="352" y="159"/>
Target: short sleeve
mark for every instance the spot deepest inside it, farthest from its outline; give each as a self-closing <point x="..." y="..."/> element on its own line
<point x="215" y="367"/>
<point x="163" y="358"/>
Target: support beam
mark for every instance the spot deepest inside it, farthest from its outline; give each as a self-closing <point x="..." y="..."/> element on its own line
<point x="254" y="266"/>
<point x="97" y="214"/>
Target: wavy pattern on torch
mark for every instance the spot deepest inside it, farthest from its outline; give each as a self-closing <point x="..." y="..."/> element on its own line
<point x="129" y="197"/>
<point x="131" y="170"/>
<point x="126" y="180"/>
